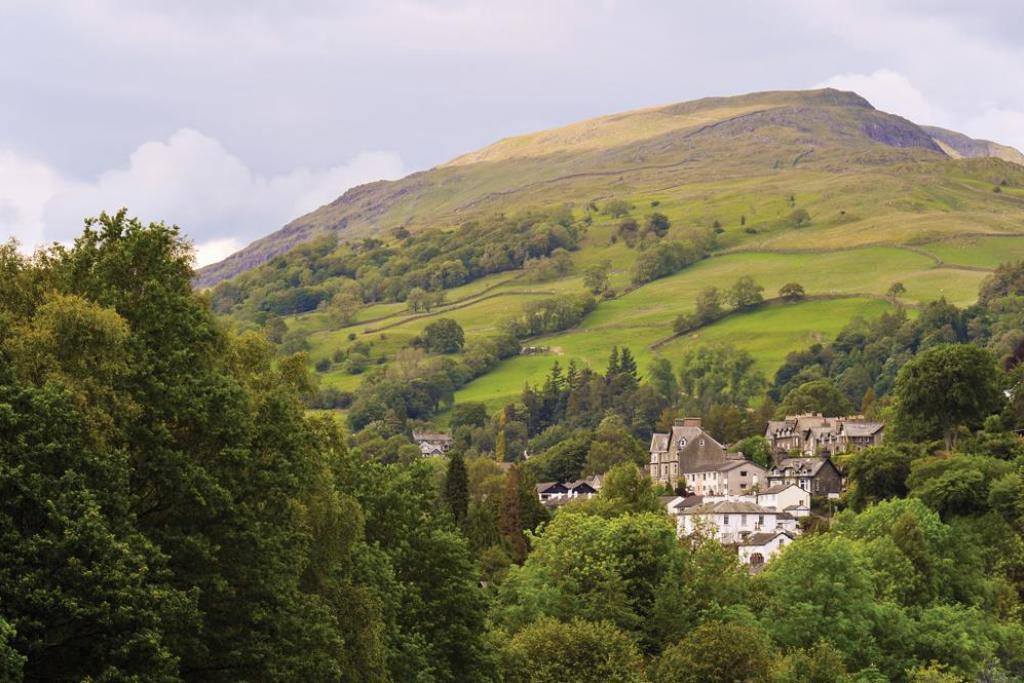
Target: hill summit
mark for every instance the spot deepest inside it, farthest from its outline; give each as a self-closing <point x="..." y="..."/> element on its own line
<point x="759" y="137"/>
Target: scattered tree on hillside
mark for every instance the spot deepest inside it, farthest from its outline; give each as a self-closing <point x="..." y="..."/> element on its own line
<point x="895" y="291"/>
<point x="792" y="291"/>
<point x="745" y="293"/>
<point x="799" y="218"/>
<point x="595" y="277"/>
<point x="616" y="208"/>
<point x="444" y="336"/>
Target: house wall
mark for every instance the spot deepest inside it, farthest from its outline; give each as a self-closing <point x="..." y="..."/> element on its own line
<point x="727" y="527"/>
<point x="768" y="550"/>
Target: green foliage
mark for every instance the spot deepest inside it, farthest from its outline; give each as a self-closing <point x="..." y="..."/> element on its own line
<point x="595" y="277"/>
<point x="548" y="650"/>
<point x="616" y="208"/>
<point x="816" y="396"/>
<point x="625" y="489"/>
<point x="444" y="336"/>
<point x="426" y="263"/>
<point x="668" y="258"/>
<point x="792" y="291"/>
<point x="957" y="484"/>
<point x="625" y="570"/>
<point x="745" y="293"/>
<point x="718" y="651"/>
<point x="718" y="375"/>
<point x="943" y="388"/>
<point x="877" y="473"/>
<point x="755" y="448"/>
<point x="456" y="487"/>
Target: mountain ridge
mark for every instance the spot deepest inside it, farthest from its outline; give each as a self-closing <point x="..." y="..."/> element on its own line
<point x="765" y="132"/>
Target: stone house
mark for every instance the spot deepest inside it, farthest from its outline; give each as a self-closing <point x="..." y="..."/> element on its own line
<point x="817" y="476"/>
<point x="816" y="434"/>
<point x="432" y="443"/>
<point x="857" y="435"/>
<point x="687" y="448"/>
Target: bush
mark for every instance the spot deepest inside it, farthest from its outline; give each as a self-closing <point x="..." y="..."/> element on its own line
<point x="799" y="218"/>
<point x="323" y="365"/>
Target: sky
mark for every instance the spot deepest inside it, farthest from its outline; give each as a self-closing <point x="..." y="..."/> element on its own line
<point x="231" y="118"/>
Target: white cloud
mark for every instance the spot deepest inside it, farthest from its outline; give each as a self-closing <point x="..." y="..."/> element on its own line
<point x="1005" y="126"/>
<point x="190" y="180"/>
<point x="25" y="187"/>
<point x="889" y="91"/>
<point x="216" y="250"/>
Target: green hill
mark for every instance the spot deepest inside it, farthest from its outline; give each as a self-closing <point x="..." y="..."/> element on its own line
<point x="814" y="187"/>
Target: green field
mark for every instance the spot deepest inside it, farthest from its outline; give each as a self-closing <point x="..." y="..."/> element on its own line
<point x="981" y="252"/>
<point x="644" y="315"/>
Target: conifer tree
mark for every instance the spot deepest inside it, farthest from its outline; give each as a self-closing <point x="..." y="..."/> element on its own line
<point x="499" y="443"/>
<point x="510" y="516"/>
<point x="613" y="364"/>
<point x="456" y="487"/>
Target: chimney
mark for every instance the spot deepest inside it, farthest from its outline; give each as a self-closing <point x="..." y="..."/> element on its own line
<point x="688" y="422"/>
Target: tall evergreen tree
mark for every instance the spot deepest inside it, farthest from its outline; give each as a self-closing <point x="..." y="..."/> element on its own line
<point x="510" y="516"/>
<point x="456" y="487"/>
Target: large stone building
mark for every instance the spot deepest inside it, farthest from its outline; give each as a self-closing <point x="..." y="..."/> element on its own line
<point x="687" y="448"/>
<point x="817" y="476"/>
<point x="816" y="434"/>
<point x="690" y="455"/>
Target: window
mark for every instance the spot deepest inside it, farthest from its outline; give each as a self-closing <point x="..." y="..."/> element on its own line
<point x="725" y="520"/>
<point x="743" y="520"/>
<point x="743" y="473"/>
<point x="743" y="486"/>
<point x="682" y="442"/>
<point x="760" y="520"/>
<point x="756" y="560"/>
<point x="702" y="443"/>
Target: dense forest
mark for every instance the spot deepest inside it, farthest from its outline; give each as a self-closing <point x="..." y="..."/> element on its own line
<point x="170" y="509"/>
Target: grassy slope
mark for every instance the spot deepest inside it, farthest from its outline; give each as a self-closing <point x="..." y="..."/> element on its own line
<point x="880" y="213"/>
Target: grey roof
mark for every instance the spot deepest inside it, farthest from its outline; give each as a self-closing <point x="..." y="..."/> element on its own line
<point x="862" y="428"/>
<point x="689" y="502"/>
<point x="659" y="443"/>
<point x="806" y="466"/>
<point x="728" y="507"/>
<point x="778" y="488"/>
<point x="545" y="485"/>
<point x="431" y="436"/>
<point x="730" y="464"/>
<point x="762" y="537"/>
<point x="776" y="425"/>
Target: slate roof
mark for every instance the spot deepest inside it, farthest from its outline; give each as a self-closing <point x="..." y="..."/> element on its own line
<point x="431" y="436"/>
<point x="806" y="466"/>
<point x="778" y="488"/>
<point x="763" y="537"/>
<point x="862" y="429"/>
<point x="728" y="507"/>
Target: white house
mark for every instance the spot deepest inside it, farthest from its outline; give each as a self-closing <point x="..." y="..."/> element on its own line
<point x="736" y="476"/>
<point x="785" y="497"/>
<point x="756" y="549"/>
<point x="729" y="521"/>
